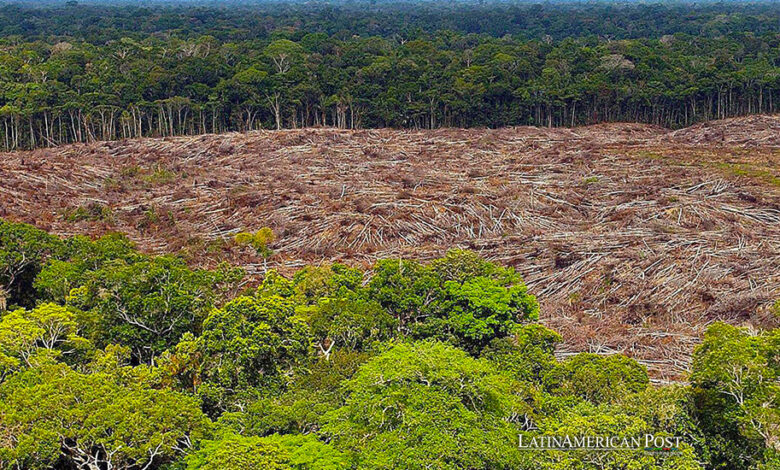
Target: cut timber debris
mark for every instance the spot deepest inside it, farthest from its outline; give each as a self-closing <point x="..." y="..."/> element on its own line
<point x="633" y="238"/>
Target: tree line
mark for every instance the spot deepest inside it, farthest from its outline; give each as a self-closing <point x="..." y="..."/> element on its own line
<point x="63" y="92"/>
<point x="113" y="359"/>
<point x="100" y="22"/>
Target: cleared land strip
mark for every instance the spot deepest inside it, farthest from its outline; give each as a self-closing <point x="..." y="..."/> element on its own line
<point x="634" y="238"/>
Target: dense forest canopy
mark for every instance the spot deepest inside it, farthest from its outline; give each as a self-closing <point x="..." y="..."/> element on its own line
<point x="78" y="73"/>
<point x="112" y="359"/>
<point x="115" y="359"/>
<point x="97" y="22"/>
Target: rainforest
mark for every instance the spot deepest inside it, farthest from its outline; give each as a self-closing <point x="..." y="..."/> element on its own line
<point x="380" y="235"/>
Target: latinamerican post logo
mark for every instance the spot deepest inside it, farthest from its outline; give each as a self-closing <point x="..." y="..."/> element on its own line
<point x="647" y="443"/>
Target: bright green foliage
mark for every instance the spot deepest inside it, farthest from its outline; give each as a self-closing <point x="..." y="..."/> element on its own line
<point x="58" y="278"/>
<point x="308" y="453"/>
<point x="52" y="412"/>
<point x="81" y="256"/>
<point x="149" y="304"/>
<point x="239" y="453"/>
<point x="406" y="289"/>
<point x="481" y="309"/>
<point x="24" y="332"/>
<point x="669" y="409"/>
<point x="18" y="342"/>
<point x="284" y="54"/>
<point x="275" y="284"/>
<point x="143" y="302"/>
<point x="598" y="379"/>
<point x="736" y="380"/>
<point x="585" y="419"/>
<point x="182" y="365"/>
<point x="249" y="343"/>
<point x="663" y="411"/>
<point x="23" y="251"/>
<point x="260" y="337"/>
<point x="260" y="241"/>
<point x="234" y="452"/>
<point x="461" y="299"/>
<point x="115" y="361"/>
<point x="457" y="399"/>
<point x="313" y="283"/>
<point x="429" y="405"/>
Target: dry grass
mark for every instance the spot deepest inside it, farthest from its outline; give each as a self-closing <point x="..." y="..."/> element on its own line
<point x="633" y="238"/>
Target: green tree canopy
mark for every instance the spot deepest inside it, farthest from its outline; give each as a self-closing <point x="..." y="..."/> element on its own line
<point x="24" y="333"/>
<point x="429" y="405"/>
<point x="23" y="251"/>
<point x="51" y="412"/>
<point x="735" y="379"/>
<point x="234" y="452"/>
<point x="148" y="304"/>
<point x="250" y="343"/>
<point x="598" y="379"/>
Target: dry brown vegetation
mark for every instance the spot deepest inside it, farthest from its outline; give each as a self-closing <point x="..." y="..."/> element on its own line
<point x="633" y="238"/>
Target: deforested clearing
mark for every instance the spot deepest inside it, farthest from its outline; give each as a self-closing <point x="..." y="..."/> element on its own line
<point x="633" y="238"/>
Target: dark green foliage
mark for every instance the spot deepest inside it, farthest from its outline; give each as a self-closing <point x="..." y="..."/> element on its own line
<point x="249" y="344"/>
<point x="460" y="298"/>
<point x="350" y="323"/>
<point x="528" y="354"/>
<point x="148" y="304"/>
<point x="337" y="308"/>
<point x="96" y="72"/>
<point x="258" y="336"/>
<point x="335" y="281"/>
<point x="410" y="366"/>
<point x="23" y="252"/>
<point x="669" y="409"/>
<point x="406" y="289"/>
<point x="315" y="24"/>
<point x="125" y="297"/>
<point x="79" y="257"/>
<point x="585" y="418"/>
<point x="598" y="379"/>
<point x="737" y="392"/>
<point x="309" y="397"/>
